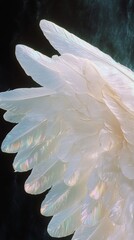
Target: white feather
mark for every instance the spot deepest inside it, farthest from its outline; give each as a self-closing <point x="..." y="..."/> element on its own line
<point x="65" y="42"/>
<point x="64" y="223"/>
<point x="38" y="66"/>
<point x="61" y="197"/>
<point x="28" y="133"/>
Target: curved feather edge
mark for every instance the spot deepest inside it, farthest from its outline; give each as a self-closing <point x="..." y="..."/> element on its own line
<point x="61" y="197"/>
<point x="65" y="42"/>
<point x="24" y="135"/>
<point x="38" y="66"/>
<point x="65" y="223"/>
<point x="51" y="172"/>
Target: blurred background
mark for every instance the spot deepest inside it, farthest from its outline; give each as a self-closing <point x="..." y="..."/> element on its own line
<point x="107" y="24"/>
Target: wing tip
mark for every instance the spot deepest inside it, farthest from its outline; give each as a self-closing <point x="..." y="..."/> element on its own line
<point x="21" y="49"/>
<point x="44" y="24"/>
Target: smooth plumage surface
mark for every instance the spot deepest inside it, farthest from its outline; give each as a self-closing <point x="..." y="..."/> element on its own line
<point x="76" y="133"/>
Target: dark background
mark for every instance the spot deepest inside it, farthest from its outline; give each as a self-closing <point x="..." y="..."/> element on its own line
<point x="107" y="24"/>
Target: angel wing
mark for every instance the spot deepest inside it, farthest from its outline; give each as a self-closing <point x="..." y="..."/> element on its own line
<point x="76" y="133"/>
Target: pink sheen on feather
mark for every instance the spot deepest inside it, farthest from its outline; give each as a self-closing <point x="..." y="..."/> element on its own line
<point x="76" y="133"/>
